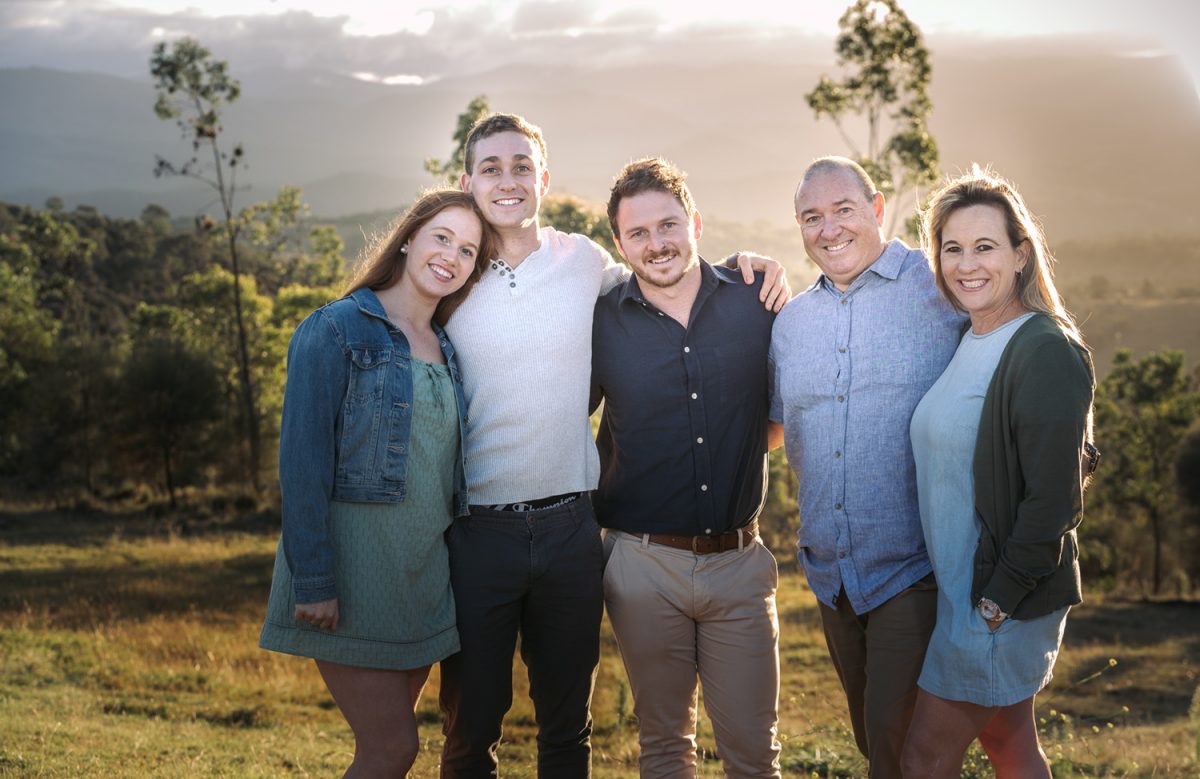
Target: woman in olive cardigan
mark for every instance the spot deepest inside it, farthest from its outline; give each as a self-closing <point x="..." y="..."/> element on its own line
<point x="998" y="443"/>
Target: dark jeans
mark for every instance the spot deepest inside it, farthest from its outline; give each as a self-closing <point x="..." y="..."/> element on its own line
<point x="539" y="575"/>
<point x="878" y="656"/>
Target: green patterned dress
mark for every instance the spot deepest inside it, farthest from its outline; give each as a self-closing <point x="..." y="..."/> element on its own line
<point x="395" y="607"/>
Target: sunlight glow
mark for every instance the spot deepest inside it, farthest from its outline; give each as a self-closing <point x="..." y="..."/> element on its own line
<point x="400" y="79"/>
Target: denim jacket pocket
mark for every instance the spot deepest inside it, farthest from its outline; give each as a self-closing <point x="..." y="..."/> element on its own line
<point x="398" y="408"/>
<point x="363" y="412"/>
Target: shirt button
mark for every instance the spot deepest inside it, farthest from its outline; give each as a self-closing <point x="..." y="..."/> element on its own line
<point x="708" y="531"/>
<point x="687" y="349"/>
<point x="842" y="349"/>
<point x="837" y="506"/>
<point x="704" y="488"/>
<point x="844" y="301"/>
<point x="660" y="313"/>
<point x="700" y="440"/>
<point x="694" y="396"/>
<point x="841" y="555"/>
<point x="837" y="454"/>
<point x="841" y="398"/>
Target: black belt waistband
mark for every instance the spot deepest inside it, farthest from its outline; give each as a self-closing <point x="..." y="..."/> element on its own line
<point x="541" y="504"/>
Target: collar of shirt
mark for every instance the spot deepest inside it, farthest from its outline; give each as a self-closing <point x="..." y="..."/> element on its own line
<point x="888" y="265"/>
<point x="710" y="277"/>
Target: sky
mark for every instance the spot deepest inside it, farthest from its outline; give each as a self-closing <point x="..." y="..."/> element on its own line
<point x="403" y="41"/>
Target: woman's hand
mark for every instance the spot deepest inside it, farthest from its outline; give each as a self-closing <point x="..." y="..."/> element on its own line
<point x="322" y="614"/>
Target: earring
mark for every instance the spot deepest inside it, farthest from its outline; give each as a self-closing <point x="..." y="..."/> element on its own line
<point x="404" y="250"/>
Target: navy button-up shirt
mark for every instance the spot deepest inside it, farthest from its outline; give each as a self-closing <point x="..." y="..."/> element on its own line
<point x="683" y="438"/>
<point x="848" y="368"/>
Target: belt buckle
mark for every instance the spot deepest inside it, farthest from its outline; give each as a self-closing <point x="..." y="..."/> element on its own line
<point x="695" y="541"/>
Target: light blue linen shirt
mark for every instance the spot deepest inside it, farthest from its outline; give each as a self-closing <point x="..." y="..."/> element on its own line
<point x="848" y="368"/>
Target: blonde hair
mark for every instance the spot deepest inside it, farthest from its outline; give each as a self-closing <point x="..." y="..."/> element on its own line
<point x="983" y="187"/>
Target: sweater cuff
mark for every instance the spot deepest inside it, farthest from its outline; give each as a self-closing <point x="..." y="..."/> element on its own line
<point x="1007" y="593"/>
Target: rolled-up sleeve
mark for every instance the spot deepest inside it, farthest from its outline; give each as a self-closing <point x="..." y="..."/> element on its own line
<point x="317" y="376"/>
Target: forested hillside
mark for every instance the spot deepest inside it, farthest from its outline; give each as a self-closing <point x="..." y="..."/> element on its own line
<point x="119" y="380"/>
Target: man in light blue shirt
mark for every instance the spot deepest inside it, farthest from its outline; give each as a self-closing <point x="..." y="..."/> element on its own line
<point x="850" y="359"/>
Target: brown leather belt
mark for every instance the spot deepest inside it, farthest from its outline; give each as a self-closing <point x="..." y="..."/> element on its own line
<point x="706" y="544"/>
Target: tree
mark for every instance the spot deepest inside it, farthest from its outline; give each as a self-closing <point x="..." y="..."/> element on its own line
<point x="1187" y="467"/>
<point x="157" y="218"/>
<point x="192" y="87"/>
<point x="571" y="215"/>
<point x="449" y="171"/>
<point x="285" y="250"/>
<point x="270" y="224"/>
<point x="1143" y="410"/>
<point x="172" y="393"/>
<point x="1187" y="476"/>
<point x="889" y="86"/>
<point x="27" y="336"/>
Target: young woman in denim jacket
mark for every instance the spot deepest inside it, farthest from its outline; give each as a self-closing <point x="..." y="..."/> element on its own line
<point x="371" y="475"/>
<point x="1000" y="443"/>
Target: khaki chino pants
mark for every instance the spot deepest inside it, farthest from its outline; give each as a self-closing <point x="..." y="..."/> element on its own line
<point x="677" y="615"/>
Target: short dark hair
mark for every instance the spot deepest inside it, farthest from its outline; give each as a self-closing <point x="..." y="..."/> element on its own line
<point x="493" y="124"/>
<point x="651" y="174"/>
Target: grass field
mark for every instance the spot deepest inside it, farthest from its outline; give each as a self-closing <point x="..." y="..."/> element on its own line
<point x="129" y="649"/>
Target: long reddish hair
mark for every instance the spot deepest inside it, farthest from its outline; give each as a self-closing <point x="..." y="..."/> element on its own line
<point x="383" y="261"/>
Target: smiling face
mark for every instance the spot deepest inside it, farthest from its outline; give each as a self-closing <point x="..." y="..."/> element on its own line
<point x="508" y="180"/>
<point x="442" y="253"/>
<point x="657" y="237"/>
<point x="840" y="224"/>
<point x="979" y="265"/>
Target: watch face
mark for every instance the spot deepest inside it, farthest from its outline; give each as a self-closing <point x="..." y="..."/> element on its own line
<point x="988" y="610"/>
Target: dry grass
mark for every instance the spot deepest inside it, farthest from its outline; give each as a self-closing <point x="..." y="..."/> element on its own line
<point x="127" y="651"/>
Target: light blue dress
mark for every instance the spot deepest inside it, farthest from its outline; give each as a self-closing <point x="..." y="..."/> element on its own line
<point x="965" y="660"/>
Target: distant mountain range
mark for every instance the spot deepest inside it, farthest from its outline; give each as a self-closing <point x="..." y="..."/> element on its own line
<point x="1100" y="144"/>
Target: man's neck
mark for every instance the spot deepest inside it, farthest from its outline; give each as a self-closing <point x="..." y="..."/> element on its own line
<point x="842" y="287"/>
<point x="515" y="244"/>
<point x="675" y="301"/>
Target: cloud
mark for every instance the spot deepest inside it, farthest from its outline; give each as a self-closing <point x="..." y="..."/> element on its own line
<point x="549" y="16"/>
<point x="93" y="35"/>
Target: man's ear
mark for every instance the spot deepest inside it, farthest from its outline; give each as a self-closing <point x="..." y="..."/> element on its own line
<point x="464" y="182"/>
<point x="877" y="203"/>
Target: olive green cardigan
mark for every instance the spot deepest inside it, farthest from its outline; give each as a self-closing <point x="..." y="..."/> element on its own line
<point x="1028" y="473"/>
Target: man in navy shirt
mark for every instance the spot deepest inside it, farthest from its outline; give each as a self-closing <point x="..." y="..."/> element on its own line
<point x="679" y="356"/>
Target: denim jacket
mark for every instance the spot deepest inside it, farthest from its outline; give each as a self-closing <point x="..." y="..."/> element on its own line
<point x="347" y="415"/>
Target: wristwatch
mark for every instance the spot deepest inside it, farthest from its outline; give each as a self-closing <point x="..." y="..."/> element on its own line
<point x="990" y="610"/>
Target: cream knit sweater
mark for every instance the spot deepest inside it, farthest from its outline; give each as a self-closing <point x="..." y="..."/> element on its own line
<point x="523" y="338"/>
